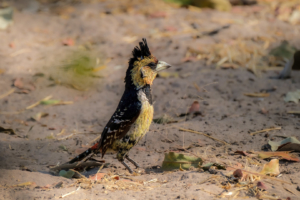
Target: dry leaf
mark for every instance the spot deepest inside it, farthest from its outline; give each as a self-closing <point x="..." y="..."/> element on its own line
<point x="25" y="85"/>
<point x="271" y="168"/>
<point x="176" y="161"/>
<point x="263" y="155"/>
<point x="288" y="144"/>
<point x="292" y="96"/>
<point x="284" y="155"/>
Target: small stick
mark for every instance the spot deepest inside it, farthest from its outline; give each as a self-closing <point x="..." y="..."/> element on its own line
<point x="66" y="137"/>
<point x="37" y="103"/>
<point x="99" y="170"/>
<point x="289" y="112"/>
<point x="63" y="196"/>
<point x="78" y="174"/>
<point x="266" y="130"/>
<point x="197" y="87"/>
<point x="7" y="93"/>
<point x="187" y="130"/>
<point x="257" y="94"/>
<point x="75" y="165"/>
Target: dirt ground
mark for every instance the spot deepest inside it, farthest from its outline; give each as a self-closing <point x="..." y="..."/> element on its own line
<point x="34" y="44"/>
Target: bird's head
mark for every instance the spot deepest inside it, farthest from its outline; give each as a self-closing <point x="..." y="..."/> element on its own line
<point x="143" y="67"/>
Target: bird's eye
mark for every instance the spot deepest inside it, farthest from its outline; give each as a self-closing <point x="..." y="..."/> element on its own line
<point x="152" y="65"/>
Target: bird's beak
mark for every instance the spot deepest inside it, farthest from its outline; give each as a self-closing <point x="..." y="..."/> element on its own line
<point x="161" y="65"/>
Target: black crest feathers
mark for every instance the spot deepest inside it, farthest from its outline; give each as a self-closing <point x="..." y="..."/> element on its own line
<point x="142" y="51"/>
<point x="137" y="53"/>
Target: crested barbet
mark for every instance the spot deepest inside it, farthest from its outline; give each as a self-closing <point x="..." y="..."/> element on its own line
<point x="133" y="116"/>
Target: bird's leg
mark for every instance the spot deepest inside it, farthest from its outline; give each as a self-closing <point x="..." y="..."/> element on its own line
<point x="132" y="161"/>
<point x="127" y="167"/>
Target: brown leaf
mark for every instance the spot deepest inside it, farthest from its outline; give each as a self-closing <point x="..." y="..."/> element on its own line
<point x="18" y="83"/>
<point x="283" y="154"/>
<point x="24" y="85"/>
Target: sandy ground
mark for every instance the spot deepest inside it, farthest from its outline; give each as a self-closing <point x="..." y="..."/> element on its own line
<point x="226" y="113"/>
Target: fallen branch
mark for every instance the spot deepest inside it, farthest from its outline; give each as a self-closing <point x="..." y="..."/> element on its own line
<point x="266" y="130"/>
<point x="187" y="130"/>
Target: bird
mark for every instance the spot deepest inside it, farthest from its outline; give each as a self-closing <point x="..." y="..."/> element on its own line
<point x="133" y="116"/>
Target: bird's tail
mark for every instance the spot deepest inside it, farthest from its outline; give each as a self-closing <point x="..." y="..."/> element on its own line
<point x="84" y="154"/>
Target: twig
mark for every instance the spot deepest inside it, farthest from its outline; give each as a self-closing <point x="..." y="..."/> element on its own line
<point x="265" y="130"/>
<point x="99" y="170"/>
<point x="63" y="196"/>
<point x="75" y="165"/>
<point x="187" y="130"/>
<point x="7" y="93"/>
<point x="27" y="108"/>
<point x="37" y="103"/>
<point x="66" y="137"/>
<point x="78" y="174"/>
<point x="257" y="94"/>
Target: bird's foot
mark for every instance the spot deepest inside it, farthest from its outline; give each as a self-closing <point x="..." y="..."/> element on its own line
<point x="132" y="161"/>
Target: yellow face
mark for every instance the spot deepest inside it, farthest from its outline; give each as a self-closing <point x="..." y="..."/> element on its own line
<point x="145" y="70"/>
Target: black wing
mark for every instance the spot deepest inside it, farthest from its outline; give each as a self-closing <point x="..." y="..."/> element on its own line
<point x="119" y="124"/>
